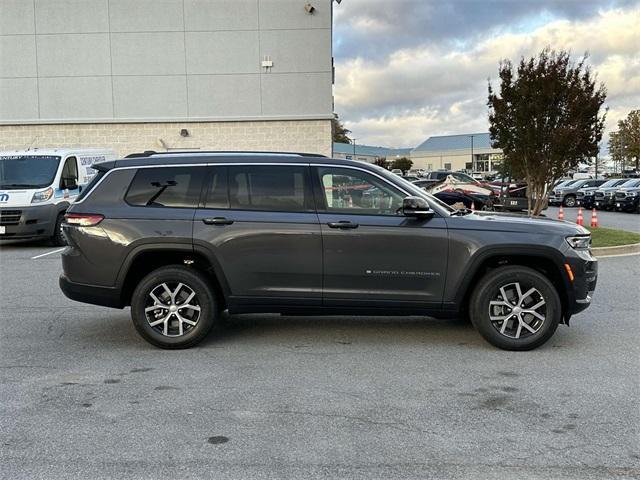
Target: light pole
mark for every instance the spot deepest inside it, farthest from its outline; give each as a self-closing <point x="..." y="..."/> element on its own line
<point x="472" y="159"/>
<point x="354" y="148"/>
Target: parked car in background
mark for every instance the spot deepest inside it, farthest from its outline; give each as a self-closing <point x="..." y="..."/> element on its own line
<point x="456" y="198"/>
<point x="38" y="185"/>
<point x="605" y="197"/>
<point x="585" y="197"/>
<point x="397" y="171"/>
<point x="410" y="178"/>
<point x="567" y="195"/>
<point x="626" y="199"/>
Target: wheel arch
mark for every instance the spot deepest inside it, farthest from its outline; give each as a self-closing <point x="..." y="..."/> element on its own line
<point x="544" y="260"/>
<point x="145" y="259"/>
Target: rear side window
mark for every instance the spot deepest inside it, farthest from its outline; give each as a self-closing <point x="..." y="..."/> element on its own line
<point x="217" y="192"/>
<point x="84" y="191"/>
<point x="275" y="188"/>
<point x="177" y="187"/>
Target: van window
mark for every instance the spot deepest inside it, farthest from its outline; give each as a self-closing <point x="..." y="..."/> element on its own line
<point x="177" y="187"/>
<point x="276" y="188"/>
<point x="69" y="173"/>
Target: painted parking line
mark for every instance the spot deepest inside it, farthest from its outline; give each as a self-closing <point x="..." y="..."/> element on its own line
<point x="48" y="253"/>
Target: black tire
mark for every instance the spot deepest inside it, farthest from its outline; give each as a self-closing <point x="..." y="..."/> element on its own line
<point x="569" y="201"/>
<point x="488" y="289"/>
<point x="57" y="239"/>
<point x="205" y="300"/>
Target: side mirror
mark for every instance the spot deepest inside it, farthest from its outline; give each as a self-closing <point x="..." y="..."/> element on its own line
<point x="416" y="207"/>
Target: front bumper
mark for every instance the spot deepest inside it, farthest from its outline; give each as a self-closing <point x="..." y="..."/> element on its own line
<point x="585" y="271"/>
<point x="28" y="222"/>
<point x="627" y="203"/>
<point x="586" y="202"/>
<point x="556" y="199"/>
<point x="604" y="202"/>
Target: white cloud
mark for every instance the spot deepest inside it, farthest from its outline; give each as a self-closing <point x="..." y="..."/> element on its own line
<point x="414" y="92"/>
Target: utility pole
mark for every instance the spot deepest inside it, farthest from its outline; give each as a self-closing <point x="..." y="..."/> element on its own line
<point x="354" y="148"/>
<point x="472" y="160"/>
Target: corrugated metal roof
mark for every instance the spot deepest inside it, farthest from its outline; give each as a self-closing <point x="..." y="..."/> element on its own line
<point x="347" y="149"/>
<point x="454" y="142"/>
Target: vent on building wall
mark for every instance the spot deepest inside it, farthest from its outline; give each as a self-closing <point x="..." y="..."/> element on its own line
<point x="310" y="9"/>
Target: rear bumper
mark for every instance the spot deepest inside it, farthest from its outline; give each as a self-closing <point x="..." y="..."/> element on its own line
<point x="28" y="222"/>
<point x="104" y="296"/>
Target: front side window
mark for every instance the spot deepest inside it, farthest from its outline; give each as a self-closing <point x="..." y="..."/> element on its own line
<point x="279" y="188"/>
<point x="177" y="187"/>
<point x="69" y="175"/>
<point x="357" y="192"/>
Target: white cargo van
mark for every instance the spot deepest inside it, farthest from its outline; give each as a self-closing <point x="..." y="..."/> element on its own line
<point x="37" y="186"/>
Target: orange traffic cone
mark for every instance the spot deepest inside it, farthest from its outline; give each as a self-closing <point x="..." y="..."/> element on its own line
<point x="580" y="219"/>
<point x="594" y="218"/>
<point x="561" y="213"/>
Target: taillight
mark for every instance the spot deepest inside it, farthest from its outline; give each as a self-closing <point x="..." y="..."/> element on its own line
<point x="83" y="219"/>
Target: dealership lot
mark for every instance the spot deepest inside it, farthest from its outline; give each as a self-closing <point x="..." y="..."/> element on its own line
<point x="619" y="220"/>
<point x="289" y="397"/>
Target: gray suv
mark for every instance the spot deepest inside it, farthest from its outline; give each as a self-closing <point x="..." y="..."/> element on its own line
<point x="181" y="237"/>
<point x="567" y="194"/>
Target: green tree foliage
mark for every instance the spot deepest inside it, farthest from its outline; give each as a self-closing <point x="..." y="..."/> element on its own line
<point x="403" y="163"/>
<point x="624" y="144"/>
<point x="546" y="117"/>
<point x="339" y="131"/>
<point x="382" y="162"/>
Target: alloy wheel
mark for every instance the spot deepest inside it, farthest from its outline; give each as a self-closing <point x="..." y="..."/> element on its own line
<point x="172" y="309"/>
<point x="515" y="314"/>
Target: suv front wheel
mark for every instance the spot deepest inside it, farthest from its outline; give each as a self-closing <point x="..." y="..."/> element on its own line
<point x="515" y="308"/>
<point x="174" y="307"/>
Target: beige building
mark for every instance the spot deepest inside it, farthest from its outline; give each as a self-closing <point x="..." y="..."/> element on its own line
<point x="166" y="75"/>
<point x="471" y="152"/>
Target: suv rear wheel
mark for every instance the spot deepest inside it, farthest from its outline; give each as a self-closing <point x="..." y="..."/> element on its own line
<point x="515" y="308"/>
<point x="174" y="307"/>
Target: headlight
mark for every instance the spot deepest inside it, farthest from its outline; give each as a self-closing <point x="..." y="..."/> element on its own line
<point x="42" y="196"/>
<point x="632" y="194"/>
<point x="588" y="194"/>
<point x="582" y="242"/>
<point x="608" y="194"/>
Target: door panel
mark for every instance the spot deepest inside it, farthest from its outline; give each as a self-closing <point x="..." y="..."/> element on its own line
<point x="381" y="257"/>
<point x="274" y="255"/>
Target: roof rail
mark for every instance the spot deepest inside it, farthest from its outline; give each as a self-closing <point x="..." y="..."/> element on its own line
<point x="150" y="153"/>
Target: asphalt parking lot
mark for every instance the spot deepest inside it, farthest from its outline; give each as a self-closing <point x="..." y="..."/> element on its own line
<point x="291" y="397"/>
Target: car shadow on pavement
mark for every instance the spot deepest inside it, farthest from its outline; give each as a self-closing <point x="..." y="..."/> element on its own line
<point x="117" y="331"/>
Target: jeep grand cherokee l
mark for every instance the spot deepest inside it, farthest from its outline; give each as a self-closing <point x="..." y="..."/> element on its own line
<point x="182" y="237"/>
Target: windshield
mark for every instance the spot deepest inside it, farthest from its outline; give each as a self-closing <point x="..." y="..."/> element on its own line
<point x="631" y="183"/>
<point x="27" y="171"/>
<point x="614" y="182"/>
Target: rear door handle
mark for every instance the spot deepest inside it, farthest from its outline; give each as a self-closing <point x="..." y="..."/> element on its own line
<point x="217" y="221"/>
<point x="343" y="224"/>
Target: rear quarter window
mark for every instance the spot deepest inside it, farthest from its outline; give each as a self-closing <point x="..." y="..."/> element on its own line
<point x="174" y="187"/>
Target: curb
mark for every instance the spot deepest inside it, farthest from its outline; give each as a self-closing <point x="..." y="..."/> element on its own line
<point x="601" y="252"/>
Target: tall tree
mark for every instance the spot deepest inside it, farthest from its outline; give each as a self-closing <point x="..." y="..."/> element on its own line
<point x="546" y="117"/>
<point x="629" y="132"/>
<point x="339" y="131"/>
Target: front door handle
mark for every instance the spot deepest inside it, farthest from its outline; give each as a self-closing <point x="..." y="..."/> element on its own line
<point x="217" y="221"/>
<point x="343" y="224"/>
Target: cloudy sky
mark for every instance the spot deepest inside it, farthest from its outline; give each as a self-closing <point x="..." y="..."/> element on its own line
<point x="408" y="69"/>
